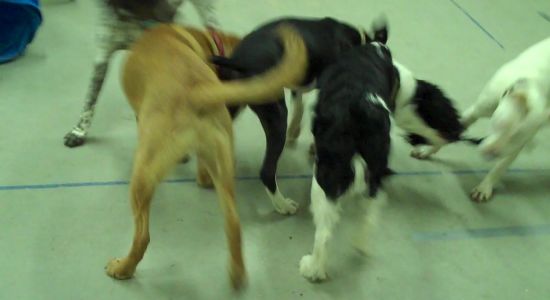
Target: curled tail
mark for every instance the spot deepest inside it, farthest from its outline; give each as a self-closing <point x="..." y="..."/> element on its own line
<point x="265" y="87"/>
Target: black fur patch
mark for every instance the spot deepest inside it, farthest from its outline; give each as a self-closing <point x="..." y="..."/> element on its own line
<point x="437" y="111"/>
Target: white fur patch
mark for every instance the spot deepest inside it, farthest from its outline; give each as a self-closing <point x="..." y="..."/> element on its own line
<point x="379" y="47"/>
<point x="325" y="216"/>
<point x="282" y="205"/>
<point x="377" y="100"/>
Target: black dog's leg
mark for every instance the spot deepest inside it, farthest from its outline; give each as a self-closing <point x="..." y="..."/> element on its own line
<point x="273" y="118"/>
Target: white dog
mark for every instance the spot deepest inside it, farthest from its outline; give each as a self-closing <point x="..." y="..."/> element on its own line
<point x="517" y="100"/>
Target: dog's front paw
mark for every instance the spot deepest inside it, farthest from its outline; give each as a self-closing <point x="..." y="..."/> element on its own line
<point x="284" y="206"/>
<point x="120" y="269"/>
<point x="482" y="193"/>
<point x="73" y="139"/>
<point x="311" y="270"/>
<point x="292" y="134"/>
<point x="421" y="152"/>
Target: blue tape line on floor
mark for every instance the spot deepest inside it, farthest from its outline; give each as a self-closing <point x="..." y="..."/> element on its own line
<point x="482" y="233"/>
<point x="477" y="23"/>
<point x="242" y="178"/>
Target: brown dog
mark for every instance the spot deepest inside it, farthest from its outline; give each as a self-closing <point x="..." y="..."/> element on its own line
<point x="180" y="105"/>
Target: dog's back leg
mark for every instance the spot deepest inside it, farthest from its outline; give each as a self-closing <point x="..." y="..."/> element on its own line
<point x="273" y="118"/>
<point x="216" y="155"/>
<point x="156" y="153"/>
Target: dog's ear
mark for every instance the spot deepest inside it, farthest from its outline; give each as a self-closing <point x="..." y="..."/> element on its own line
<point x="380" y="29"/>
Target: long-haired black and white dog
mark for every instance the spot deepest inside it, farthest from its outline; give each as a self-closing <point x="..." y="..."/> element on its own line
<point x="351" y="121"/>
<point x="357" y="97"/>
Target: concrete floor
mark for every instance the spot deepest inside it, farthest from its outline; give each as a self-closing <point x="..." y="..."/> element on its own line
<point x="65" y="212"/>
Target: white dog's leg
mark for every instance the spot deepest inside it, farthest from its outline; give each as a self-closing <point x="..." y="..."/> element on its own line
<point x="295" y="126"/>
<point x="325" y="216"/>
<point x="484" y="190"/>
<point x="78" y="134"/>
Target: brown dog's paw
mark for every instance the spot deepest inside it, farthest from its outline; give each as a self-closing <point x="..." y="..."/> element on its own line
<point x="238" y="278"/>
<point x="119" y="269"/>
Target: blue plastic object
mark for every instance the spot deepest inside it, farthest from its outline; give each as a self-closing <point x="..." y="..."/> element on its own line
<point x="19" y="20"/>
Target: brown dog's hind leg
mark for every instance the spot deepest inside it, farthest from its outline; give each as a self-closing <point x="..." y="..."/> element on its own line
<point x="155" y="155"/>
<point x="218" y="160"/>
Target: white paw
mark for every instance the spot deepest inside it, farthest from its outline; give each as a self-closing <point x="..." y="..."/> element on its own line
<point x="310" y="270"/>
<point x="285" y="206"/>
<point x="482" y="193"/>
<point x="421" y="152"/>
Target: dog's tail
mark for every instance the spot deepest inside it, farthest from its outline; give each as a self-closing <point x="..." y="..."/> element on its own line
<point x="263" y="88"/>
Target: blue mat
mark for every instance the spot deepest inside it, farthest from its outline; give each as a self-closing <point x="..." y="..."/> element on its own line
<point x="19" y="20"/>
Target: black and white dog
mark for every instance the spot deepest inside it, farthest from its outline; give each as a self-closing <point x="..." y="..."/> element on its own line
<point x="122" y="22"/>
<point x="352" y="118"/>
<point x="325" y="40"/>
<point x="351" y="121"/>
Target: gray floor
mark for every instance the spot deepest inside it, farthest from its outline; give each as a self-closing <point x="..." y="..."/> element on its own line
<point x="64" y="212"/>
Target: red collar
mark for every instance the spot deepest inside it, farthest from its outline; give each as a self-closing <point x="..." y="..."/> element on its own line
<point x="217" y="41"/>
